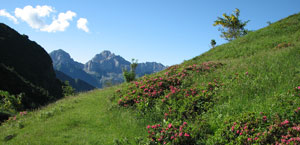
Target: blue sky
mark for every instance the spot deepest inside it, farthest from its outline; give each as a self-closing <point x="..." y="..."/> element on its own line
<point x="165" y="31"/>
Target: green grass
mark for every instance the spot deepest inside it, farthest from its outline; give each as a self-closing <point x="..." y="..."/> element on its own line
<point x="270" y="74"/>
<point x="270" y="56"/>
<point x="88" y="118"/>
<point x="272" y="71"/>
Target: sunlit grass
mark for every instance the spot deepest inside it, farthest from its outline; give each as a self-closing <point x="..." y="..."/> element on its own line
<point x="87" y="118"/>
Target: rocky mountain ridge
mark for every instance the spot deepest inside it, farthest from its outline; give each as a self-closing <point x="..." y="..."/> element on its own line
<point x="104" y="68"/>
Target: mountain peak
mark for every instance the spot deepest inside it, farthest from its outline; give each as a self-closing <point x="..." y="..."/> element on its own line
<point x="106" y="54"/>
<point x="60" y="57"/>
<point x="60" y="53"/>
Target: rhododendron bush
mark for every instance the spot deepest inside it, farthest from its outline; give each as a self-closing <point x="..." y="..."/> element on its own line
<point x="262" y="130"/>
<point x="176" y="100"/>
<point x="177" y="105"/>
<point x="253" y="129"/>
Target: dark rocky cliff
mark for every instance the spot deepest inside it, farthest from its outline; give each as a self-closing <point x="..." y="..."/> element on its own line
<point x="30" y="64"/>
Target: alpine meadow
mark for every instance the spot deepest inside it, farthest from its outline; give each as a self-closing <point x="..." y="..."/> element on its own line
<point x="245" y="91"/>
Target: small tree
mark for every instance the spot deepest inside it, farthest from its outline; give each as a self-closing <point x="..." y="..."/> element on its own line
<point x="130" y="76"/>
<point x="68" y="90"/>
<point x="213" y="43"/>
<point x="232" y="26"/>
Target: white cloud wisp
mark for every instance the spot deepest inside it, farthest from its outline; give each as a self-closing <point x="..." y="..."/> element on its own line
<point x="61" y="23"/>
<point x="34" y="16"/>
<point x="4" y="13"/>
<point x="82" y="24"/>
<point x="38" y="18"/>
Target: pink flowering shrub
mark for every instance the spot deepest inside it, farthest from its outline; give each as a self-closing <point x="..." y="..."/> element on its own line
<point x="174" y="133"/>
<point x="279" y="129"/>
<point x="148" y="91"/>
<point x="262" y="130"/>
<point x="173" y="100"/>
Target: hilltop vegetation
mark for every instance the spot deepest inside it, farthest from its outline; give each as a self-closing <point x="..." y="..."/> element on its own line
<point x="243" y="92"/>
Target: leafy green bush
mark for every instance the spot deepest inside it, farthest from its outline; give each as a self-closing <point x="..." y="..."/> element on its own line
<point x="10" y="103"/>
<point x="67" y="89"/>
<point x="130" y="75"/>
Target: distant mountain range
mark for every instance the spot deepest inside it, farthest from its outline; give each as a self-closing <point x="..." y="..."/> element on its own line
<point x="103" y="69"/>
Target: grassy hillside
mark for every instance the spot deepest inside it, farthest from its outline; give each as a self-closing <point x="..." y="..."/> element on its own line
<point x="254" y="76"/>
<point x="243" y="92"/>
<point x="257" y="68"/>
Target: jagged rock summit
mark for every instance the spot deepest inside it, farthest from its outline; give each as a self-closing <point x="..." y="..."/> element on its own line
<point x="103" y="56"/>
<point x="106" y="62"/>
<point x="60" y="56"/>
